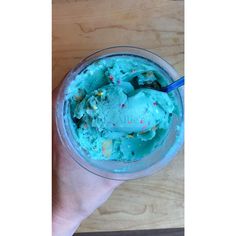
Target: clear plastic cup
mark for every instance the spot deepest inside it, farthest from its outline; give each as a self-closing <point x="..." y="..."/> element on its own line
<point x="118" y="170"/>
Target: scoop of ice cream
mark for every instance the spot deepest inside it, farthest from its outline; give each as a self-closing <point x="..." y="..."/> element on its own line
<point x="112" y="110"/>
<point x="112" y="116"/>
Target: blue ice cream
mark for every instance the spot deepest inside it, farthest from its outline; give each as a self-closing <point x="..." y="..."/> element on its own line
<point x="115" y="112"/>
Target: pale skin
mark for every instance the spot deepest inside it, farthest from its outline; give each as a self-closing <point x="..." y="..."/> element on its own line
<point x="76" y="192"/>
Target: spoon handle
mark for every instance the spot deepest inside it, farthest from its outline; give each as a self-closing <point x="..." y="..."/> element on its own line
<point x="176" y="84"/>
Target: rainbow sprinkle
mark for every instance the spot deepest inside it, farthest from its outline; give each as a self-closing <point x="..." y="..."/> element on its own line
<point x="107" y="148"/>
<point x="100" y="93"/>
<point x="111" y="78"/>
<point x="144" y="127"/>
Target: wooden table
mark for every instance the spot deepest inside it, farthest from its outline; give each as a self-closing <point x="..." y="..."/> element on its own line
<point x="83" y="26"/>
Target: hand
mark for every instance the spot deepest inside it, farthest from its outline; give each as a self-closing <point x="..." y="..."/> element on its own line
<point x="76" y="192"/>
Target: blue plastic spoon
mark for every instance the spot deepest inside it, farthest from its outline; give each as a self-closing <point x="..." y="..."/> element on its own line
<point x="176" y="84"/>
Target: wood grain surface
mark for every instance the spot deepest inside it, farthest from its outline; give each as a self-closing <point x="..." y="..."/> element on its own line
<point x="81" y="27"/>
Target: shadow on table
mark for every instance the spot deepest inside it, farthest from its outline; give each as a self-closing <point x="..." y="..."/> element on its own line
<point x="152" y="232"/>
